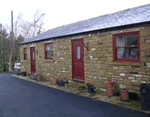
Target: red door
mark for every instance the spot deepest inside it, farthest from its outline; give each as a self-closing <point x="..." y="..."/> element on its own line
<point x="32" y="57"/>
<point x="77" y="60"/>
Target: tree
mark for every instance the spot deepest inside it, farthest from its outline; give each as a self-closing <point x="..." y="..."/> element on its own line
<point x="19" y="40"/>
<point x="4" y="44"/>
<point x="37" y="22"/>
<point x="33" y="28"/>
<point x="23" y="29"/>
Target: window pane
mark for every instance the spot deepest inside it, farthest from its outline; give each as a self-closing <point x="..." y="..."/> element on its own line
<point x="127" y="53"/>
<point x="78" y="52"/>
<point x="49" y="47"/>
<point x="25" y="50"/>
<point x="133" y="52"/>
<point x="49" y="54"/>
<point x="132" y="40"/>
<point x="120" y="41"/>
<point x="121" y="52"/>
<point x="25" y="57"/>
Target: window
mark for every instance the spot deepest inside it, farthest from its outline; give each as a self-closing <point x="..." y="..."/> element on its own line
<point x="25" y="53"/>
<point x="33" y="55"/>
<point x="48" y="50"/>
<point x="127" y="47"/>
<point x="78" y="52"/>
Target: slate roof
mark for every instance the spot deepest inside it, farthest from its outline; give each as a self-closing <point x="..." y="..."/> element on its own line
<point x="134" y="15"/>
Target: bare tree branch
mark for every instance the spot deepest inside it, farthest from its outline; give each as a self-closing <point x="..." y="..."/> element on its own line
<point x="38" y="18"/>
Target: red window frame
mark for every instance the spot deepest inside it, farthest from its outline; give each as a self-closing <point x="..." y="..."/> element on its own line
<point x="25" y="54"/>
<point x="115" y="48"/>
<point x="46" y="51"/>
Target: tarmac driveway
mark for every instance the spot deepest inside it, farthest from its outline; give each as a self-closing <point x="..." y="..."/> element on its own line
<point x="20" y="98"/>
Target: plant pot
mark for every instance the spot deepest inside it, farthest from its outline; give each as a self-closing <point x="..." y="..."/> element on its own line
<point x="133" y="96"/>
<point x="124" y="95"/>
<point x="90" y="88"/>
<point x="61" y="83"/>
<point x="24" y="73"/>
<point x="55" y="80"/>
<point x="38" y="77"/>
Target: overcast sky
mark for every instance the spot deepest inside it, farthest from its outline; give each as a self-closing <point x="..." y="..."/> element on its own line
<point x="61" y="12"/>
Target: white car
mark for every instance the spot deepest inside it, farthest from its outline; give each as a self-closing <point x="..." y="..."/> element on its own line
<point x="17" y="67"/>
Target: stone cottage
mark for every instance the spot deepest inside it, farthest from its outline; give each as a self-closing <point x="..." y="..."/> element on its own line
<point x="114" y="46"/>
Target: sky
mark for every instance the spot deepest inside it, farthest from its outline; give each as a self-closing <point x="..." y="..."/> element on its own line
<point x="62" y="12"/>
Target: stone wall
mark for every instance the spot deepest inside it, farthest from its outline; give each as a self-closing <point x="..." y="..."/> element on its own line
<point x="98" y="61"/>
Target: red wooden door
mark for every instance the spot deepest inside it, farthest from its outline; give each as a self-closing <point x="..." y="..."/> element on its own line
<point x="77" y="60"/>
<point x="32" y="58"/>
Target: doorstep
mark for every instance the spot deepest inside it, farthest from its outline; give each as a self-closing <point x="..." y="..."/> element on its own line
<point x="134" y="105"/>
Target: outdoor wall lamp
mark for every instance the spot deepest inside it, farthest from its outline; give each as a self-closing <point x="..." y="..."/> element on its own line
<point x="86" y="46"/>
